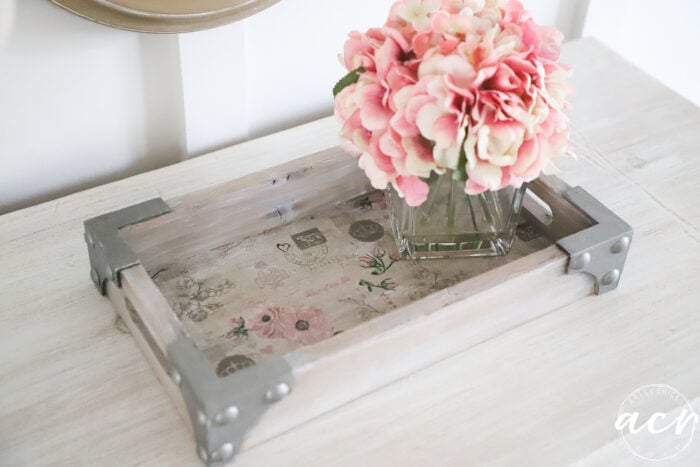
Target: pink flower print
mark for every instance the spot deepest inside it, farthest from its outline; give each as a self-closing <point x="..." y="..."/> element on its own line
<point x="306" y="325"/>
<point x="238" y="330"/>
<point x="268" y="323"/>
<point x="367" y="261"/>
<point x="375" y="260"/>
<point x="235" y="322"/>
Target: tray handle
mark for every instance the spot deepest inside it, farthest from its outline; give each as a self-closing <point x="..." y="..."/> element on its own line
<point x="595" y="238"/>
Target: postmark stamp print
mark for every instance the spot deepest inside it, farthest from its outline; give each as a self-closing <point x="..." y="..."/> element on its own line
<point x="310" y="238"/>
<point x="366" y="231"/>
<point x="307" y="257"/>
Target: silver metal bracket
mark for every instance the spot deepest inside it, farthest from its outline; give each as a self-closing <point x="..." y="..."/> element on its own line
<point x="109" y="253"/>
<point x="223" y="409"/>
<point x="600" y="250"/>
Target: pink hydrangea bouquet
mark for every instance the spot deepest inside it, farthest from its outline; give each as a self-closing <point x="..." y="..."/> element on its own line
<point x="471" y="86"/>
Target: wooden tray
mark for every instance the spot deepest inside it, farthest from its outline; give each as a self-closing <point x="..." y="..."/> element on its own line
<point x="274" y="298"/>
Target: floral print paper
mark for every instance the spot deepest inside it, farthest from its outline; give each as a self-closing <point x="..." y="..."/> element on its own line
<point x="304" y="282"/>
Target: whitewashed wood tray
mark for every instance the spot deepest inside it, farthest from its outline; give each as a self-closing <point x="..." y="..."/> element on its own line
<point x="277" y="297"/>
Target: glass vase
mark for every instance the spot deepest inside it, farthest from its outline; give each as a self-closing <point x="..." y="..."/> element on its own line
<point x="451" y="223"/>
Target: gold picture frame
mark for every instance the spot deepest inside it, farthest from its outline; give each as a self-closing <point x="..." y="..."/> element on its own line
<point x="164" y="16"/>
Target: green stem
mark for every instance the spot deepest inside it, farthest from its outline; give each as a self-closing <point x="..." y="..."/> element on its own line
<point x="471" y="212"/>
<point x="487" y="211"/>
<point x="452" y="206"/>
<point x="435" y="181"/>
<point x="474" y="223"/>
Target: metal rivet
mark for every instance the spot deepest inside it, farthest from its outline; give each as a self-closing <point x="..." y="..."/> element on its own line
<point x="176" y="377"/>
<point x="581" y="261"/>
<point x="611" y="278"/>
<point x="203" y="454"/>
<point x="621" y="246"/>
<point x="223" y="454"/>
<point x="202" y="418"/>
<point x="227" y="416"/>
<point x="278" y="392"/>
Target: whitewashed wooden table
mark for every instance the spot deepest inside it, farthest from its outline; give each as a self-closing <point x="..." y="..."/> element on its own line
<point x="74" y="389"/>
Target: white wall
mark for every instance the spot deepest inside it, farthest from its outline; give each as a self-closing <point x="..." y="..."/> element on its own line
<point x="269" y="72"/>
<point x="81" y="104"/>
<point x="661" y="38"/>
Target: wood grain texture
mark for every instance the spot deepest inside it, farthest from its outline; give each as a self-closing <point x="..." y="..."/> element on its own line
<point x="143" y="334"/>
<point x="77" y="391"/>
<point x="245" y="207"/>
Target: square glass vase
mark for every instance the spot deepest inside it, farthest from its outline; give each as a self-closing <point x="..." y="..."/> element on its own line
<point x="451" y="223"/>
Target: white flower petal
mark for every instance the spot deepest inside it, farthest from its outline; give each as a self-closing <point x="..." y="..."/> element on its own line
<point x="425" y="120"/>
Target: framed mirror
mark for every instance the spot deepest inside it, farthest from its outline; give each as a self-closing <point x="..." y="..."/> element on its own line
<point x="164" y="16"/>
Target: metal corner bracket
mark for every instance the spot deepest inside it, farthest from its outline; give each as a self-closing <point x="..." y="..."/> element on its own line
<point x="600" y="250"/>
<point x="224" y="409"/>
<point x="221" y="409"/>
<point x="109" y="253"/>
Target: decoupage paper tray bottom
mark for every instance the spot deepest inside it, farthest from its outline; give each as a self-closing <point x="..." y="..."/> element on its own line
<point x="306" y="281"/>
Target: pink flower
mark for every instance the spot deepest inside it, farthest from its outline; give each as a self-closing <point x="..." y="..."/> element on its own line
<point x="451" y="25"/>
<point x="498" y="142"/>
<point x="457" y="68"/>
<point x="447" y="78"/>
<point x="514" y="74"/>
<point x="374" y="114"/>
<point x="429" y="110"/>
<point x="354" y="137"/>
<point x="413" y="189"/>
<point x="359" y="52"/>
<point x="306" y="325"/>
<point x="530" y="160"/>
<point x="417" y="12"/>
<point x="379" y="178"/>
<point x="444" y="36"/>
<point x="556" y="89"/>
<point x="389" y="45"/>
<point x="465" y="7"/>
